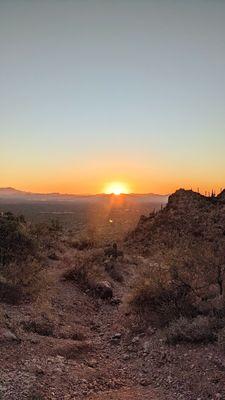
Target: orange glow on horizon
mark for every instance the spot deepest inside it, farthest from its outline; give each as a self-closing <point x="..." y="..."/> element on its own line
<point x="116" y="188"/>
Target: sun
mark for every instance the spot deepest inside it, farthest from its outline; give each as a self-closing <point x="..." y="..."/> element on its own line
<point x="116" y="188"/>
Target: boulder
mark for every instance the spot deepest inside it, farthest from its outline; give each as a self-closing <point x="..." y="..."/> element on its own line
<point x="104" y="290"/>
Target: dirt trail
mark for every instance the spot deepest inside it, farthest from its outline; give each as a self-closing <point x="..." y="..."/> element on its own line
<point x="94" y="367"/>
<point x="91" y="353"/>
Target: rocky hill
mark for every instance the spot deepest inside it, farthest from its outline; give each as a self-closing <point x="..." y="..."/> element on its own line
<point x="188" y="217"/>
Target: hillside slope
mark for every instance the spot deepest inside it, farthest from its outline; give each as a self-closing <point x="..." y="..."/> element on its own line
<point x="188" y="216"/>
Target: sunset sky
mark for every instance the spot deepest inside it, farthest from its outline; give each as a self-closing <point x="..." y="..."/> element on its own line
<point x="97" y="91"/>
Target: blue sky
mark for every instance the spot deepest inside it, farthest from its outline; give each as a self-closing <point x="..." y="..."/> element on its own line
<point x="97" y="91"/>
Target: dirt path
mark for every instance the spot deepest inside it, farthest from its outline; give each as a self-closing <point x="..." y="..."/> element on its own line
<point x="94" y="364"/>
<point x="90" y="353"/>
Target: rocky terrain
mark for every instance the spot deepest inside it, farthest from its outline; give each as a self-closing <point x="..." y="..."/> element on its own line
<point x="187" y="216"/>
<point x="79" y="340"/>
<point x="82" y="348"/>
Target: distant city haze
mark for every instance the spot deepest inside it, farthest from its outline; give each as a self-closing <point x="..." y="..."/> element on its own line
<point x="126" y="91"/>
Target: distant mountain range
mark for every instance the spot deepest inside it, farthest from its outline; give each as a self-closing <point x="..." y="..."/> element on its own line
<point x="11" y="194"/>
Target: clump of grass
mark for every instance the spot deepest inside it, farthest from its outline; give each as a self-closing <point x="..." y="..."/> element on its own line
<point x="221" y="339"/>
<point x="74" y="333"/>
<point x="158" y="298"/>
<point x="9" y="293"/>
<point x="81" y="243"/>
<point x="25" y="281"/>
<point x="197" y="330"/>
<point x="43" y="327"/>
<point x="2" y="317"/>
<point x="36" y="395"/>
<point x="21" y="261"/>
<point x="88" y="268"/>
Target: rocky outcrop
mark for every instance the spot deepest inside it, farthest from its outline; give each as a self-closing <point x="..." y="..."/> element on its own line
<point x="188" y="215"/>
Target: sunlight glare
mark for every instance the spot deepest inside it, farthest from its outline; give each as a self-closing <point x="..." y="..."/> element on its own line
<point x="116" y="188"/>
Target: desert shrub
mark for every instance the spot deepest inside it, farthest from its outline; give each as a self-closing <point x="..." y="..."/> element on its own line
<point x="47" y="234"/>
<point x="36" y="395"/>
<point x="197" y="330"/>
<point x="20" y="269"/>
<point x="43" y="327"/>
<point x="29" y="276"/>
<point x="81" y="243"/>
<point x="2" y="317"/>
<point x="71" y="332"/>
<point x="89" y="272"/>
<point x="16" y="242"/>
<point x="88" y="267"/>
<point x="221" y="339"/>
<point x="157" y="297"/>
<point x="9" y="293"/>
<point x="114" y="270"/>
<point x="198" y="264"/>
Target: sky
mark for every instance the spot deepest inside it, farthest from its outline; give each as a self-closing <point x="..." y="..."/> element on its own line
<point x="97" y="91"/>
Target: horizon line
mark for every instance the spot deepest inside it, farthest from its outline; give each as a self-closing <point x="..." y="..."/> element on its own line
<point x="81" y="194"/>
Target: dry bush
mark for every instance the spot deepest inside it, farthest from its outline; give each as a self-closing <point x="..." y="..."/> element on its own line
<point x="24" y="281"/>
<point x="88" y="268"/>
<point x="114" y="269"/>
<point x="16" y="241"/>
<point x="74" y="333"/>
<point x="197" y="330"/>
<point x="21" y="273"/>
<point x="41" y="326"/>
<point x="2" y="317"/>
<point x="47" y="234"/>
<point x="188" y="239"/>
<point x="156" y="297"/>
<point x="221" y="339"/>
<point x="198" y="264"/>
<point x="81" y="243"/>
<point x="36" y="395"/>
<point x="190" y="283"/>
<point x="9" y="293"/>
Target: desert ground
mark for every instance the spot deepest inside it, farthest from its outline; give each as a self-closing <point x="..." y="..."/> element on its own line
<point x="81" y="330"/>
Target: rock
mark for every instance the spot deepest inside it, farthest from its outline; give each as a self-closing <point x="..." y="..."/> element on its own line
<point x="53" y="256"/>
<point x="104" y="290"/>
<point x="113" y="251"/>
<point x="7" y="336"/>
<point x="92" y="363"/>
<point x="116" y="338"/>
<point x="115" y="301"/>
<point x="144" y="382"/>
<point x="39" y="371"/>
<point x="34" y="340"/>
<point x="135" y="339"/>
<point x="219" y="363"/>
<point x="146" y="346"/>
<point x="42" y="326"/>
